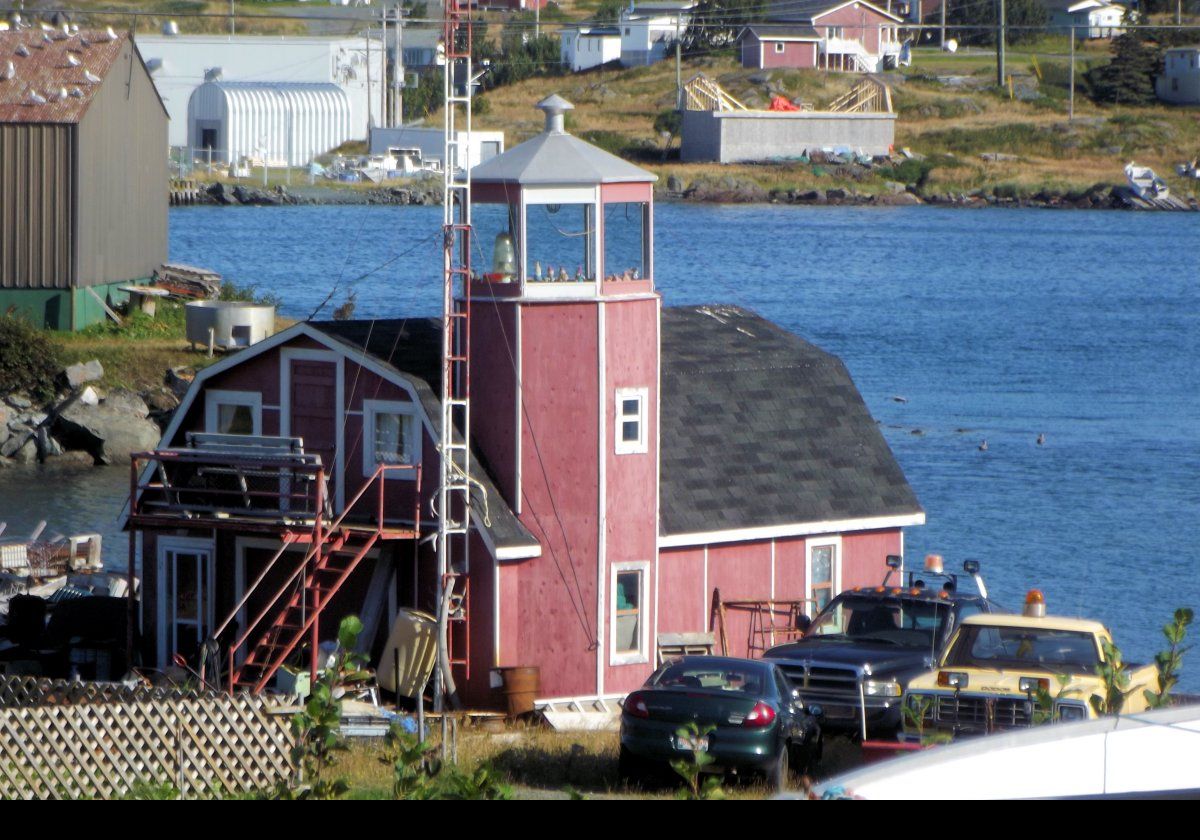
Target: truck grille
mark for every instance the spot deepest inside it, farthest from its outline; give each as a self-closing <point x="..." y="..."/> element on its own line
<point x="980" y="714"/>
<point x="816" y="680"/>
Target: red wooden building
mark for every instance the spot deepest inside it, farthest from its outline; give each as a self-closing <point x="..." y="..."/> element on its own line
<point x="849" y="35"/>
<point x="630" y="458"/>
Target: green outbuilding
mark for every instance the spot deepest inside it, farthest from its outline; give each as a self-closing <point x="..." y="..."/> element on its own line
<point x="83" y="174"/>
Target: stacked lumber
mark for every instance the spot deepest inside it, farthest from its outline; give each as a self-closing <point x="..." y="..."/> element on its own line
<point x="186" y="281"/>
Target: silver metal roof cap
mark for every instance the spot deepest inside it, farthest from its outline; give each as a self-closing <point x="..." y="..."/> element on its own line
<point x="554" y="107"/>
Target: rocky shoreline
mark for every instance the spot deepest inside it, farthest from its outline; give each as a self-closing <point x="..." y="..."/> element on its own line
<point x="724" y="190"/>
<point x="83" y="424"/>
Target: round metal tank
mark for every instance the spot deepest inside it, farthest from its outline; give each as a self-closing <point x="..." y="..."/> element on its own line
<point x="234" y="323"/>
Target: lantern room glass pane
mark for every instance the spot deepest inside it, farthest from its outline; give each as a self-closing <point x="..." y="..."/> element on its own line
<point x="626" y="245"/>
<point x="559" y="241"/>
<point x="496" y="250"/>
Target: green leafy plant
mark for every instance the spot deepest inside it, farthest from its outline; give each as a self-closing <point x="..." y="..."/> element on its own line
<point x="696" y="783"/>
<point x="1044" y="701"/>
<point x="418" y="774"/>
<point x="1115" y="677"/>
<point x="1170" y="661"/>
<point x="915" y="711"/>
<point x="317" y="727"/>
<point x="27" y="360"/>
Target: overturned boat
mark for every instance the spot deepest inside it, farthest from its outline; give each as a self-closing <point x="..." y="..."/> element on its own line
<point x="1145" y="184"/>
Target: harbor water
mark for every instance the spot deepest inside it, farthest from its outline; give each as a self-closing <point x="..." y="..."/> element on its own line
<point x="959" y="326"/>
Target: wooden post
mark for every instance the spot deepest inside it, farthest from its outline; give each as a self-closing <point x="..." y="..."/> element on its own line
<point x="1001" y="35"/>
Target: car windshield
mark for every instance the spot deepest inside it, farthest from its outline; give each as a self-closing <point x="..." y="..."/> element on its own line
<point x="740" y="679"/>
<point x="1018" y="647"/>
<point x="907" y="622"/>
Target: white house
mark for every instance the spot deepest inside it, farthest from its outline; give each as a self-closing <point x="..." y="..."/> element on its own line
<point x="585" y="47"/>
<point x="179" y="64"/>
<point x="429" y="143"/>
<point x="648" y="29"/>
<point x="1180" y="80"/>
<point x="1089" y="18"/>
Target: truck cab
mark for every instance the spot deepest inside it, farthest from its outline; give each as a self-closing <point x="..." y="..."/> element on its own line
<point x="857" y="656"/>
<point x="1009" y="671"/>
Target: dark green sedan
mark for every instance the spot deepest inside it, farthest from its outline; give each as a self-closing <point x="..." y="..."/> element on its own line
<point x="747" y="719"/>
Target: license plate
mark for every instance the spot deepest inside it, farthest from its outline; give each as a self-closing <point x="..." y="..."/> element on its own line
<point x="690" y="744"/>
<point x="840" y="712"/>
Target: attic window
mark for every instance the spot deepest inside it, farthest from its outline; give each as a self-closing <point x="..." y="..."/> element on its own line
<point x="233" y="412"/>
<point x="630" y="426"/>
<point x="390" y="437"/>
<point x="779" y="46"/>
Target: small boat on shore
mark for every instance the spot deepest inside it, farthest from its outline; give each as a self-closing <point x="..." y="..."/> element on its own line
<point x="1145" y="184"/>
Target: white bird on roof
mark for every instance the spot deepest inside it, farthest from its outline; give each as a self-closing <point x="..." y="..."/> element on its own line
<point x="73" y="61"/>
<point x="77" y="93"/>
<point x="46" y="39"/>
<point x="108" y="33"/>
<point x="91" y="77"/>
<point x="45" y="26"/>
<point x="84" y="42"/>
<point x="22" y="50"/>
<point x="10" y="72"/>
<point x="36" y="98"/>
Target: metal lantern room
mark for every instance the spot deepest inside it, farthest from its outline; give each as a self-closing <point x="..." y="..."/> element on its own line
<point x="566" y="219"/>
<point x="285" y="123"/>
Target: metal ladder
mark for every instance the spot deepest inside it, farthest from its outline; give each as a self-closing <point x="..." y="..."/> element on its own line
<point x="454" y="487"/>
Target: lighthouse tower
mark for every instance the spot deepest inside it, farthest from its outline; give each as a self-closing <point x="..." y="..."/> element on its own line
<point x="564" y="389"/>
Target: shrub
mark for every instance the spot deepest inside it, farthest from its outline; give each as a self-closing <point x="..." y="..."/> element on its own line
<point x="27" y="360"/>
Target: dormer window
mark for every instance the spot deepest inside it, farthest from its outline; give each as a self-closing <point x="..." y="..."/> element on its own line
<point x="630" y="426"/>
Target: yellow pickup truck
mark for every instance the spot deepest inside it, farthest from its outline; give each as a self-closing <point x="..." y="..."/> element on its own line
<point x="1008" y="671"/>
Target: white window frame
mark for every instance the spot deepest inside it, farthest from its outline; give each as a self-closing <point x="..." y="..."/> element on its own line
<point x="821" y="542"/>
<point x="214" y="398"/>
<point x="181" y="545"/>
<point x="779" y="46"/>
<point x="642" y="654"/>
<point x="412" y="435"/>
<point x="641" y="445"/>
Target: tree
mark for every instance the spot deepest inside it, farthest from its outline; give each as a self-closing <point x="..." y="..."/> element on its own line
<point x="1129" y="78"/>
<point x="715" y="24"/>
<point x="1018" y="14"/>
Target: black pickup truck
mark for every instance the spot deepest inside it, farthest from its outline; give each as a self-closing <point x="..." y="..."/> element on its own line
<point x="861" y="650"/>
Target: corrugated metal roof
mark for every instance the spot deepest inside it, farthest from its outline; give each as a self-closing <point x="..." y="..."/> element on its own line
<point x="555" y="157"/>
<point x="44" y="64"/>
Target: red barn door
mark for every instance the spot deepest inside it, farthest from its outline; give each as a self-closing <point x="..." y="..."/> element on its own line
<point x="312" y="392"/>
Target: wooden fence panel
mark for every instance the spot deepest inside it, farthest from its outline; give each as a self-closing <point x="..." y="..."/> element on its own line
<point x="89" y="746"/>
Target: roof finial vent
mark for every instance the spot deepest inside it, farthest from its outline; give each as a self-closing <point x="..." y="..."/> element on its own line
<point x="554" y="106"/>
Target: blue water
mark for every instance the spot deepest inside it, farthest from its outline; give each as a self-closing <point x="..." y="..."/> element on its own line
<point x="994" y="325"/>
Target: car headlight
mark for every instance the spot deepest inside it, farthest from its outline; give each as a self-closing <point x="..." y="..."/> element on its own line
<point x="882" y="688"/>
<point x="1071" y="711"/>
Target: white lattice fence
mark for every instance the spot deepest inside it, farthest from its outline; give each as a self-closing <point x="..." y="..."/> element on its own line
<point x="202" y="747"/>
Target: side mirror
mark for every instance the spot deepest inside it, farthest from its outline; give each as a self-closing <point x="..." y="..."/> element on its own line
<point x="803" y="622"/>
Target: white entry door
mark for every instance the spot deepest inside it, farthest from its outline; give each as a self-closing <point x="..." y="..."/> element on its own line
<point x="185" y="598"/>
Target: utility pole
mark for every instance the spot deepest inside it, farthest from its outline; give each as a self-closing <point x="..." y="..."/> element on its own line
<point x="942" y="45"/>
<point x="231" y="18"/>
<point x="383" y="78"/>
<point x="398" y="70"/>
<point x="537" y="19"/>
<point x="1001" y="35"/>
<point x="1071" y="100"/>
<point x="678" y="68"/>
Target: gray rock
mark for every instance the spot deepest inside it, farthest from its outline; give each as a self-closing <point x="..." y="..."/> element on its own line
<point x="17" y="425"/>
<point x="895" y="187"/>
<point x="89" y="396"/>
<point x="82" y="372"/>
<point x="674" y="184"/>
<point x="161" y="399"/>
<point x="18" y="402"/>
<point x="15" y="442"/>
<point x="26" y="452"/>
<point x="107" y="432"/>
<point x="127" y="402"/>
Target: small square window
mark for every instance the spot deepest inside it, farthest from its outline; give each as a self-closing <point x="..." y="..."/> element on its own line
<point x="235" y="419"/>
<point x="233" y="412"/>
<point x="779" y="46"/>
<point x="391" y="437"/>
<point x="630" y="424"/>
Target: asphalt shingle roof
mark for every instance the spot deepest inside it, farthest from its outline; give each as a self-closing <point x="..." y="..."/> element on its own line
<point x="760" y="428"/>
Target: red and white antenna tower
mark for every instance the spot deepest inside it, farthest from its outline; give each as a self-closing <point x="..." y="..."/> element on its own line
<point x="454" y="491"/>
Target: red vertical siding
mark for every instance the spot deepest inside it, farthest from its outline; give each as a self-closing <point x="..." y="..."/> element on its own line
<point x="556" y="593"/>
<point x="790" y="562"/>
<point x="683" y="597"/>
<point x="742" y="571"/>
<point x="858" y="23"/>
<point x="631" y="480"/>
<point x="799" y="54"/>
<point x="863" y="556"/>
<point x="494" y="332"/>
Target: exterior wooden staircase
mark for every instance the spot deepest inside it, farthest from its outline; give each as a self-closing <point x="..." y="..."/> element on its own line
<point x="293" y="611"/>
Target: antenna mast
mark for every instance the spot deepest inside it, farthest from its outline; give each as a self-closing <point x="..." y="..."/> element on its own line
<point x="454" y="493"/>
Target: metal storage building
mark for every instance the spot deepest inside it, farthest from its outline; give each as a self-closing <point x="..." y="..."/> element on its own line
<point x="285" y="122"/>
<point x="83" y="174"/>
